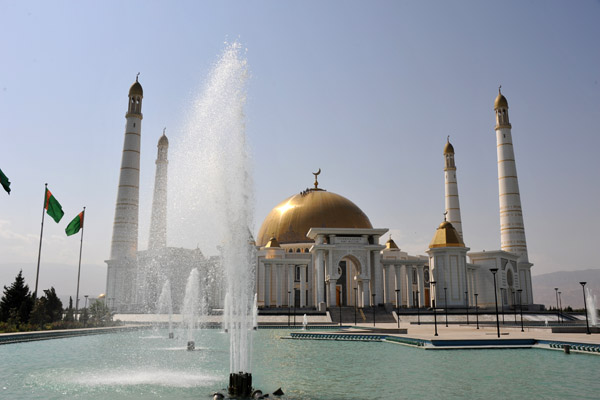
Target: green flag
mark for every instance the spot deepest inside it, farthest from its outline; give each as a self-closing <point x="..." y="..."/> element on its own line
<point x="53" y="207"/>
<point x="75" y="225"/>
<point x="5" y="182"/>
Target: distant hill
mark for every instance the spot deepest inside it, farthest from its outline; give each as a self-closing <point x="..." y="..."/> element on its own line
<point x="567" y="283"/>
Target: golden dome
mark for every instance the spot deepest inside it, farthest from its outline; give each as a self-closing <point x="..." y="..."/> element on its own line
<point x="291" y="219"/>
<point x="136" y="89"/>
<point x="273" y="243"/>
<point x="446" y="236"/>
<point x="390" y="244"/>
<point x="448" y="148"/>
<point x="101" y="296"/>
<point x="500" y="101"/>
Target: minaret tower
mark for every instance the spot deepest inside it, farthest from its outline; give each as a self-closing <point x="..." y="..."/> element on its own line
<point x="125" y="228"/>
<point x="158" y="223"/>
<point x="451" y="186"/>
<point x="512" y="229"/>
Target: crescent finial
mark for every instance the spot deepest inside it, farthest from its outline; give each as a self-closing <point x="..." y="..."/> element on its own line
<point x="316" y="181"/>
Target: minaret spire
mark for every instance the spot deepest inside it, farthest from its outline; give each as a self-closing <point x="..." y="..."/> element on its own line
<point x="452" y="213"/>
<point x="158" y="223"/>
<point x="511" y="217"/>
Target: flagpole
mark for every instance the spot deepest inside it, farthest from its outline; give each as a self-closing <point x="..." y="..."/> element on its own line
<point x="37" y="275"/>
<point x="79" y="269"/>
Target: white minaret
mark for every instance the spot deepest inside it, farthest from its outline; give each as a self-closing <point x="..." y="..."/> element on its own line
<point x="451" y="186"/>
<point x="125" y="229"/>
<point x="158" y="223"/>
<point x="512" y="229"/>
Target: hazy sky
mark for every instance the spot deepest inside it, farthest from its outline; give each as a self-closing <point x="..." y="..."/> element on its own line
<point x="367" y="91"/>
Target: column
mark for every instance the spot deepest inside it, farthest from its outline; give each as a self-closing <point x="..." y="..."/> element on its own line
<point x="332" y="285"/>
<point x="278" y="283"/>
<point x="320" y="278"/>
<point x="409" y="284"/>
<point x="390" y="281"/>
<point x="303" y="271"/>
<point x="359" y="300"/>
<point x="421" y="285"/>
<point x="366" y="293"/>
<point x="267" y="285"/>
<point x="398" y="284"/>
<point x="290" y="286"/>
<point x="378" y="269"/>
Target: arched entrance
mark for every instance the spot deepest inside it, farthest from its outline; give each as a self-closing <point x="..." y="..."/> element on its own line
<point x="348" y="281"/>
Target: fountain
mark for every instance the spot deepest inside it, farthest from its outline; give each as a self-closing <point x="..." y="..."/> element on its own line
<point x="304" y="322"/>
<point x="165" y="305"/>
<point x="190" y="306"/>
<point x="214" y="189"/>
<point x="591" y="301"/>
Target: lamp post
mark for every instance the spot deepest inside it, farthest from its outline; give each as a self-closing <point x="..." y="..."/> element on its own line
<point x="502" y="303"/>
<point x="373" y="305"/>
<point x="520" y="291"/>
<point x="433" y="303"/>
<point x="398" y="307"/>
<point x="587" y="324"/>
<point x="289" y="308"/>
<point x="418" y="310"/>
<point x="562" y="319"/>
<point x="446" y="304"/>
<point x="467" y="305"/>
<point x="493" y="271"/>
<point x="476" y="310"/>
<point x="355" y="303"/>
<point x="557" y="312"/>
<point x="86" y="299"/>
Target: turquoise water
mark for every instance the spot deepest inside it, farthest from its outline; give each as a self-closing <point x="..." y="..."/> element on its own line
<point x="146" y="365"/>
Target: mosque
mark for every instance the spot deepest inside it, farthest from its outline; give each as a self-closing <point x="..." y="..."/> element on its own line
<point x="317" y="249"/>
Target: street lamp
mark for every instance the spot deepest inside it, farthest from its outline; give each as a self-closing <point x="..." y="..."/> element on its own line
<point x="562" y="319"/>
<point x="373" y="305"/>
<point x="587" y="324"/>
<point x="502" y="303"/>
<point x="398" y="307"/>
<point x="493" y="271"/>
<point x="294" y="307"/>
<point x="418" y="311"/>
<point x="289" y="308"/>
<point x="476" y="310"/>
<point x="446" y="304"/>
<point x="557" y="312"/>
<point x="86" y="299"/>
<point x="355" y="303"/>
<point x="433" y="302"/>
<point x="520" y="291"/>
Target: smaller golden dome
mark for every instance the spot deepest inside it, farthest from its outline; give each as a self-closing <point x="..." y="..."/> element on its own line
<point x="101" y="296"/>
<point x="136" y="89"/>
<point x="500" y="101"/>
<point x="272" y="242"/>
<point x="446" y="236"/>
<point x="448" y="148"/>
<point x="391" y="245"/>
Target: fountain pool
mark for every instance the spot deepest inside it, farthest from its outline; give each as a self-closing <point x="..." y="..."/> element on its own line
<point x="142" y="365"/>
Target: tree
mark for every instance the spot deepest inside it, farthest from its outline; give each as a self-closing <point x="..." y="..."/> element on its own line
<point x="17" y="301"/>
<point x="47" y="309"/>
<point x="100" y="313"/>
<point x="69" y="314"/>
